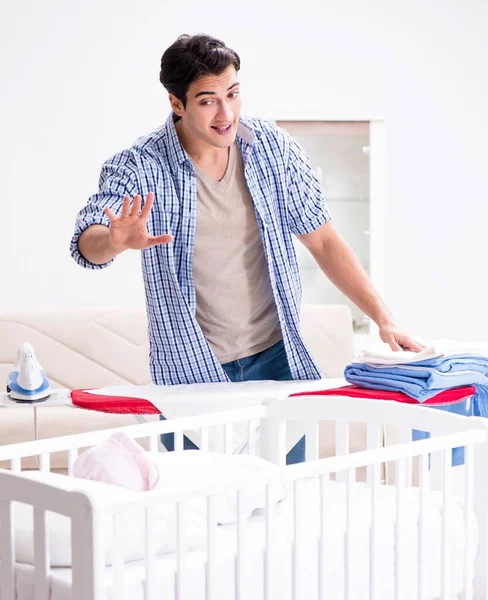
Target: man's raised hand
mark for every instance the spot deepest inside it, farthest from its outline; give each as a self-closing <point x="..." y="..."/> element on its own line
<point x="129" y="231"/>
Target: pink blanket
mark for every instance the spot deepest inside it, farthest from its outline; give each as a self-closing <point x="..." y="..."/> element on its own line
<point x="118" y="460"/>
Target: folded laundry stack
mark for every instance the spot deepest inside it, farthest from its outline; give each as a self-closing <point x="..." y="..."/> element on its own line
<point x="442" y="365"/>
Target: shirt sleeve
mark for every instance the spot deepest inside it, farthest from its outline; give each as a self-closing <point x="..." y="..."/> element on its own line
<point x="307" y="208"/>
<point x="118" y="178"/>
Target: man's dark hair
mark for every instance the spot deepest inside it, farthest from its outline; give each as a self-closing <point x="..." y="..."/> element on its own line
<point x="192" y="56"/>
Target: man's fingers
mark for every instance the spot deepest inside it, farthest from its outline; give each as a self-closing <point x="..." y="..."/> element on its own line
<point x="110" y="214"/>
<point x="136" y="206"/>
<point x="411" y="345"/>
<point x="126" y="207"/>
<point x="394" y="345"/>
<point x="160" y="239"/>
<point x="147" y="206"/>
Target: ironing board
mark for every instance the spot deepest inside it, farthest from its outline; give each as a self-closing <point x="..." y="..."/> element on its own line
<point x="457" y="398"/>
<point x="83" y="398"/>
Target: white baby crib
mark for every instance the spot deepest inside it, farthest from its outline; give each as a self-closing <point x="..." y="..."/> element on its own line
<point x="330" y="537"/>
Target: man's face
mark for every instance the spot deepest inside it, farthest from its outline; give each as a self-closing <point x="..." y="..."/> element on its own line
<point x="212" y="109"/>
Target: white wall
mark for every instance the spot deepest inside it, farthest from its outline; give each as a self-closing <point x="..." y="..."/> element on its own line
<point x="79" y="81"/>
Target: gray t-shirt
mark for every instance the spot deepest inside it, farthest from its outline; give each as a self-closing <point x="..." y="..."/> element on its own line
<point x="235" y="304"/>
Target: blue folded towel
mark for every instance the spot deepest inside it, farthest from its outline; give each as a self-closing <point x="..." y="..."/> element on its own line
<point x="424" y="379"/>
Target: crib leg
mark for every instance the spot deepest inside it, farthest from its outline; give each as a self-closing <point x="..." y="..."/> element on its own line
<point x="481" y="509"/>
<point x="86" y="550"/>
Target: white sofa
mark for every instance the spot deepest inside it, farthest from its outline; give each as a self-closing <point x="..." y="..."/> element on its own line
<point x="93" y="349"/>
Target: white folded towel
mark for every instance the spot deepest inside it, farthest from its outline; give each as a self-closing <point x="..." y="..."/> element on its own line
<point x="382" y="354"/>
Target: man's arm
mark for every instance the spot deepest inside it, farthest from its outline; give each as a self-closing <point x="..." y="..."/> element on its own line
<point x="96" y="246"/>
<point x="339" y="263"/>
<point x="100" y="244"/>
<point x="309" y="219"/>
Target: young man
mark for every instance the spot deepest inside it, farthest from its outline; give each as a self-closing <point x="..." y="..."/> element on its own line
<point x="213" y="198"/>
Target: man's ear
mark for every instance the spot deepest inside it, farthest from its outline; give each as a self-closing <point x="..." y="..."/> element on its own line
<point x="176" y="105"/>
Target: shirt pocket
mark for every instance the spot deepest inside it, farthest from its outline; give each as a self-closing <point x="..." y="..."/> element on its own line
<point x="164" y="221"/>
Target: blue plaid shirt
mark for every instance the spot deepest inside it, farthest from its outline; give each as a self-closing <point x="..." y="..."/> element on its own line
<point x="287" y="200"/>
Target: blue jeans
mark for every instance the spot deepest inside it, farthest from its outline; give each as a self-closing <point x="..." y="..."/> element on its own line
<point x="270" y="364"/>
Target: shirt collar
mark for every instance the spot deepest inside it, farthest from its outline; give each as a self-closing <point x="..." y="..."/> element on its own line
<point x="178" y="155"/>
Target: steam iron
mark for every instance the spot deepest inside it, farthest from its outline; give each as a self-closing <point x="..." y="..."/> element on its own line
<point x="27" y="382"/>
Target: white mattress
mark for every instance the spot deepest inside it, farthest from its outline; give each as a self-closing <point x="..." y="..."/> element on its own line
<point x="308" y="553"/>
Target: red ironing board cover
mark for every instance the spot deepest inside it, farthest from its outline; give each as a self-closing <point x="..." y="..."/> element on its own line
<point x="130" y="406"/>
<point x="122" y="405"/>
<point x="450" y="396"/>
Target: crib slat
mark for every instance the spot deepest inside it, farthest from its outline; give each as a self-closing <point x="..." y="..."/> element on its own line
<point x="181" y="551"/>
<point x="44" y="462"/>
<point x="87" y="543"/>
<point x="153" y="443"/>
<point x="446" y="487"/>
<point x="204" y="439"/>
<point x="468" y="521"/>
<point x="373" y="440"/>
<point x="350" y="477"/>
<point x="404" y="436"/>
<point x="240" y="558"/>
<point x="72" y="456"/>
<point x="178" y="441"/>
<point x="272" y="440"/>
<point x="400" y="530"/>
<point x="373" y="541"/>
<point x="312" y="439"/>
<point x="296" y="525"/>
<point x="436" y="471"/>
<point x="228" y="446"/>
<point x="341" y="443"/>
<point x="481" y="502"/>
<point x="212" y="575"/>
<point x="41" y="555"/>
<point x="15" y="464"/>
<point x="268" y="553"/>
<point x="7" y="551"/>
<point x="150" y="558"/>
<point x="118" y="555"/>
<point x="342" y="437"/>
<point x="251" y="437"/>
<point x="423" y="558"/>
<point x="323" y="484"/>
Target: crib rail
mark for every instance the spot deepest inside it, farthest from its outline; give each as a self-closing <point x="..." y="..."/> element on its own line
<point x="152" y="431"/>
